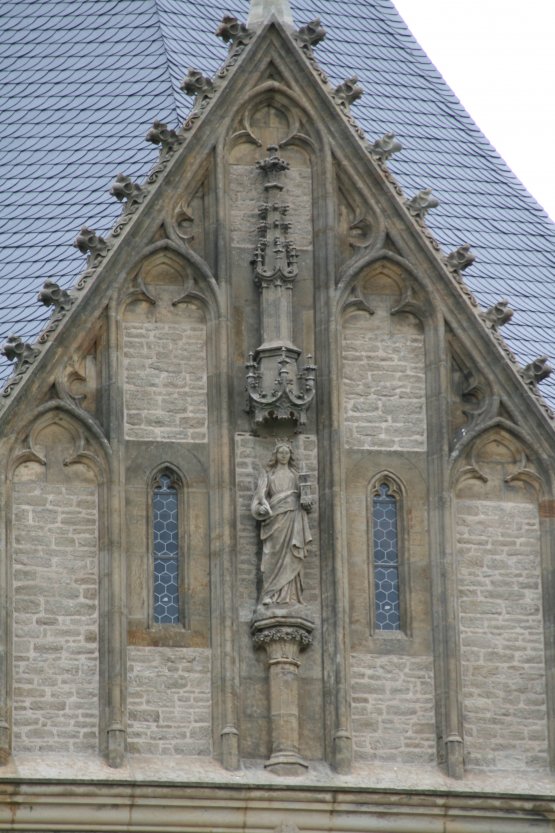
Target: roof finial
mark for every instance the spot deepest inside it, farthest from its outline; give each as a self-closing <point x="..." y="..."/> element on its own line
<point x="260" y="10"/>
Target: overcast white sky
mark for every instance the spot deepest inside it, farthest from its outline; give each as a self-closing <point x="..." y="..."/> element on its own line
<point x="499" y="58"/>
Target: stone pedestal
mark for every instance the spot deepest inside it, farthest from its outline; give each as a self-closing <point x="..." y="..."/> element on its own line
<point x="284" y="637"/>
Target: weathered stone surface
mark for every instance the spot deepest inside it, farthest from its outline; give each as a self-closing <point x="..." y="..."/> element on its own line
<point x="55" y="618"/>
<point x="503" y="666"/>
<point x="383" y="381"/>
<point x="166" y="378"/>
<point x="169" y="701"/>
<point x="393" y="709"/>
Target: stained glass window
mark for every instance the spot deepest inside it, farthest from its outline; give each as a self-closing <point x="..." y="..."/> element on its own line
<point x="386" y="560"/>
<point x="165" y="528"/>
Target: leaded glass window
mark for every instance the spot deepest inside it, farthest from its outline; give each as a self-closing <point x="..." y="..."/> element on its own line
<point x="385" y="525"/>
<point x="165" y="534"/>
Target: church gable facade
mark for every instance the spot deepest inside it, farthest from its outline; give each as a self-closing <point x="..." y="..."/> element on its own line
<point x="277" y="501"/>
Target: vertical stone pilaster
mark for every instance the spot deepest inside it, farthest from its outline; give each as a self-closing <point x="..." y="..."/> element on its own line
<point x="5" y="626"/>
<point x="446" y="640"/>
<point x="223" y="522"/>
<point x="113" y="650"/>
<point x="284" y="638"/>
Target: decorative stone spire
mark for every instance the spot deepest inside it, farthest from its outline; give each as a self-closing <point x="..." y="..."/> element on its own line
<point x="260" y="10"/>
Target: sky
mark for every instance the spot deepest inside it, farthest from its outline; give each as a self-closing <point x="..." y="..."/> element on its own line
<point x="498" y="56"/>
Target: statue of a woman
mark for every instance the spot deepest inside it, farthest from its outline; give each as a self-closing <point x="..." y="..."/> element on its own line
<point x="284" y="529"/>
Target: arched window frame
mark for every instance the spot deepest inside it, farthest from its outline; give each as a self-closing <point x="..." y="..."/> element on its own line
<point x="177" y="482"/>
<point x="396" y="491"/>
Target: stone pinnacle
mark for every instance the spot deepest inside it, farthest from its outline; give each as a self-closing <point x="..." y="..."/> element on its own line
<point x="260" y="10"/>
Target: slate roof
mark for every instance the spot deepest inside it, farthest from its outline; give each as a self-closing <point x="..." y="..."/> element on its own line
<point x="83" y="81"/>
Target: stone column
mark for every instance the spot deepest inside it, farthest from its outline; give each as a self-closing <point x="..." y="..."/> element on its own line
<point x="284" y="638"/>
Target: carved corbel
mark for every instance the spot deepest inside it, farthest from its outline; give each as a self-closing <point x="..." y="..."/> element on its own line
<point x="347" y="92"/>
<point x="384" y="148"/>
<point x="499" y="314"/>
<point x="123" y="188"/>
<point x="311" y="34"/>
<point x="537" y="371"/>
<point x="197" y="84"/>
<point x="232" y="31"/>
<point x="52" y="295"/>
<point x="421" y="203"/>
<point x="461" y="258"/>
<point x="89" y="242"/>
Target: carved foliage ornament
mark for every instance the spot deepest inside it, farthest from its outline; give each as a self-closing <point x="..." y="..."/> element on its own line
<point x="281" y="633"/>
<point x="421" y="203"/>
<point x="23" y="354"/>
<point x="461" y="258"/>
<point x="347" y="92"/>
<point x="161" y="134"/>
<point x="89" y="242"/>
<point x="537" y="371"/>
<point x="124" y="189"/>
<point x="385" y="147"/>
<point x="195" y="83"/>
<point x="312" y="33"/>
<point x="51" y="295"/>
<point x="232" y="30"/>
<point x="499" y="314"/>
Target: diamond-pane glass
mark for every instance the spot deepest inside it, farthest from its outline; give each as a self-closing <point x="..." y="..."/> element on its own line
<point x="166" y="552"/>
<point x="386" y="561"/>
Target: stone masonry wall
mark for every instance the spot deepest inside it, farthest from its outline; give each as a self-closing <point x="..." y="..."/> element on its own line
<point x="501" y="635"/>
<point x="383" y="381"/>
<point x="55" y="577"/>
<point x="169" y="701"/>
<point x="166" y="378"/>
<point x="393" y="709"/>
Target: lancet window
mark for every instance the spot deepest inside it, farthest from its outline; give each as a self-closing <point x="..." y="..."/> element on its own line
<point x="166" y="549"/>
<point x="385" y="508"/>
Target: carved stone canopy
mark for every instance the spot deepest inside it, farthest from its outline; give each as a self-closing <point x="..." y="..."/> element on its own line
<point x="275" y="387"/>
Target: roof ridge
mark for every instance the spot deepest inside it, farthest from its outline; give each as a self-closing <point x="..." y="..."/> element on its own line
<point x="167" y="62"/>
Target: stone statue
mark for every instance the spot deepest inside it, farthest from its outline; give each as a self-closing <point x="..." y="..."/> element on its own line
<point x="282" y="509"/>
